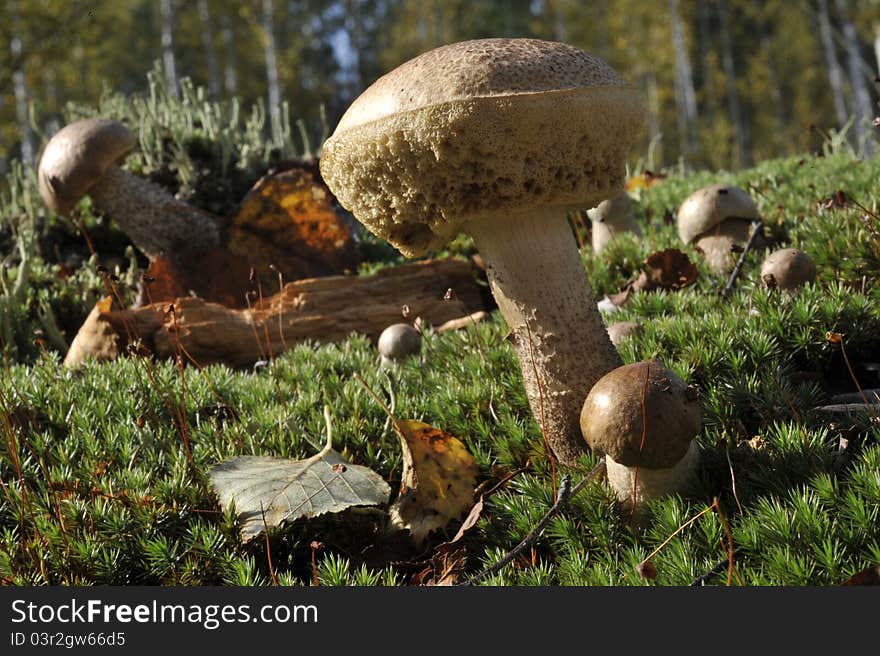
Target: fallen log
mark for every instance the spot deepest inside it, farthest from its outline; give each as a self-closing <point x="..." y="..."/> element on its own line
<point x="324" y="309"/>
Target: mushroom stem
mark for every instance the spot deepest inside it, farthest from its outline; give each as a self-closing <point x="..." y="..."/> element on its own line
<point x="541" y="287"/>
<point x="157" y="223"/>
<point x="634" y="487"/>
<point x="605" y="232"/>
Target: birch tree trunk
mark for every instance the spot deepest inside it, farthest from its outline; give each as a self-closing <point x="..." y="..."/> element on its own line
<point x="743" y="156"/>
<point x="861" y="95"/>
<point x="835" y="74"/>
<point x="355" y="29"/>
<point x="685" y="96"/>
<point x="230" y="74"/>
<point x="653" y="121"/>
<point x="271" y="55"/>
<point x="210" y="49"/>
<point x="706" y="41"/>
<point x="20" y="90"/>
<point x="877" y="46"/>
<point x="773" y="79"/>
<point x="166" y="9"/>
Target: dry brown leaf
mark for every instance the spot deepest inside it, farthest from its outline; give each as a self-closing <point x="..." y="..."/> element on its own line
<point x="470" y="521"/>
<point x="438" y="480"/>
<point x="669" y="269"/>
<point x="621" y="297"/>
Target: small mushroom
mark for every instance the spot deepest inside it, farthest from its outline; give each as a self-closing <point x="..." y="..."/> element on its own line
<point x="620" y="330"/>
<point x="612" y="217"/>
<point x="499" y="138"/>
<point x="643" y="461"/>
<point x="787" y="269"/>
<point x="716" y="219"/>
<point x="83" y="159"/>
<point x="398" y="341"/>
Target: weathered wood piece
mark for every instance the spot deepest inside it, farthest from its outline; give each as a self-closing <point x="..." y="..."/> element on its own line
<point x="322" y="309"/>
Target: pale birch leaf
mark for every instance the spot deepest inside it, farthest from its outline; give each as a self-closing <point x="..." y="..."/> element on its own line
<point x="283" y="490"/>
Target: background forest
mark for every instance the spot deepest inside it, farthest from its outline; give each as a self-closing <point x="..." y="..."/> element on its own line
<point x="727" y="82"/>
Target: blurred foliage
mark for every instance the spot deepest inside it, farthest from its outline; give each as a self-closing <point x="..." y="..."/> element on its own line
<point x="330" y="50"/>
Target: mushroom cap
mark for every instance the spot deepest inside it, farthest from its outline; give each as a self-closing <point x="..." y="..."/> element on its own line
<point x="76" y="158"/>
<point x="706" y="208"/>
<point x="617" y="211"/>
<point x="789" y="267"/>
<point x="398" y="341"/>
<point x="475" y="128"/>
<point x="611" y="417"/>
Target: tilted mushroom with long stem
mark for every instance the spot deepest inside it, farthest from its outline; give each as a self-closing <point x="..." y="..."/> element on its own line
<point x="83" y="159"/>
<point x="499" y="138"/>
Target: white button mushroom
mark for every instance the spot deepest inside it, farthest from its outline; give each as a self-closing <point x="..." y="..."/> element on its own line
<point x="787" y="269"/>
<point x="499" y="138"/>
<point x="714" y="219"/>
<point x="612" y="217"/>
<point x="82" y="159"/>
<point x="643" y="459"/>
<point x="398" y="341"/>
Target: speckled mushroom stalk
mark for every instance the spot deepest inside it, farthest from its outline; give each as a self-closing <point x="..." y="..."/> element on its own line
<point x="156" y="222"/>
<point x="498" y="138"/>
<point x="538" y="280"/>
<point x="82" y="159"/>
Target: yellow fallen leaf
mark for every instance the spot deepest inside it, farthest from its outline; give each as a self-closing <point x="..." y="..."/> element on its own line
<point x="288" y="220"/>
<point x="643" y="181"/>
<point x="438" y="480"/>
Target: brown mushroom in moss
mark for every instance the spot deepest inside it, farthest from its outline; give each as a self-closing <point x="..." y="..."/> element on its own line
<point x="499" y="138"/>
<point x="84" y="157"/>
<point x="397" y="342"/>
<point x="612" y="217"/>
<point x="647" y="458"/>
<point x="787" y="269"/>
<point x="716" y="219"/>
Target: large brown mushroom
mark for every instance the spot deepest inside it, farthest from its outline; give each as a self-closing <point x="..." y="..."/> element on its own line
<point x="716" y="219"/>
<point x="499" y="138"/>
<point x="644" y="418"/>
<point x="83" y="159"/>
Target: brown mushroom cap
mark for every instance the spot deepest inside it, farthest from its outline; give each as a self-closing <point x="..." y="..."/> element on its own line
<point x="76" y="158"/>
<point x="706" y="208"/>
<point x="611" y="418"/>
<point x="398" y="341"/>
<point x="788" y="268"/>
<point x="617" y="211"/>
<point x="471" y="129"/>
